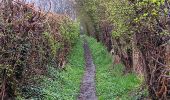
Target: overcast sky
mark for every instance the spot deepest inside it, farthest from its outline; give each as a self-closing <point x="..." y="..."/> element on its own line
<point x="58" y="6"/>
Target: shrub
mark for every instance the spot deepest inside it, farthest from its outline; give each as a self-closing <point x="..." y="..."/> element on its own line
<point x="30" y="40"/>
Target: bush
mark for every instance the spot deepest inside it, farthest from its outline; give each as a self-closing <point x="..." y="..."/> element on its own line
<point x="29" y="40"/>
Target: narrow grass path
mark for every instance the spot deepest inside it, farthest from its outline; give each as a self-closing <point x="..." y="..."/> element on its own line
<point x="111" y="84"/>
<point x="88" y="87"/>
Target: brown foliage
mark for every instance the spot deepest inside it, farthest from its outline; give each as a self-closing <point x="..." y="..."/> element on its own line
<point x="151" y="45"/>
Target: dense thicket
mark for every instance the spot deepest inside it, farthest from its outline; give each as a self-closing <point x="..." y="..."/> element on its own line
<point x="135" y="30"/>
<point x="30" y="39"/>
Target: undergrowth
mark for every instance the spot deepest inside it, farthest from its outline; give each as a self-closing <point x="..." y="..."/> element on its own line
<point x="65" y="84"/>
<point x="111" y="84"/>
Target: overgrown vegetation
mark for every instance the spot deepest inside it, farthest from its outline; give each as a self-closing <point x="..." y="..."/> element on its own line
<point x="111" y="84"/>
<point x="34" y="46"/>
<point x="64" y="84"/>
<point x="136" y="31"/>
<point x="30" y="40"/>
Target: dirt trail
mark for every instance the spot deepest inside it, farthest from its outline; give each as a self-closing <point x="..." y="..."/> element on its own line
<point x="88" y="88"/>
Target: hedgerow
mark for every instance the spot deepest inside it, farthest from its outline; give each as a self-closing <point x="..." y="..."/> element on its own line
<point x="30" y="39"/>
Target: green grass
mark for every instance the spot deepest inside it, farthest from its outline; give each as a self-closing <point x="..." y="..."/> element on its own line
<point x="65" y="85"/>
<point x="111" y="84"/>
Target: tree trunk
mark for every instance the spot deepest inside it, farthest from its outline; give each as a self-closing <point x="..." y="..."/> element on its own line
<point x="138" y="62"/>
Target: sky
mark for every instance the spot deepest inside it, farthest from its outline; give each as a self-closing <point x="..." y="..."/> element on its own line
<point x="57" y="6"/>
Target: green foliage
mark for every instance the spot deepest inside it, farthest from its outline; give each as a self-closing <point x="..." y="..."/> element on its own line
<point x="31" y="92"/>
<point x="119" y="13"/>
<point x="152" y="9"/>
<point x="69" y="31"/>
<point x="64" y="85"/>
<point x="148" y="20"/>
<point x="111" y="84"/>
<point x="29" y="41"/>
<point x="54" y="45"/>
<point x="90" y="9"/>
